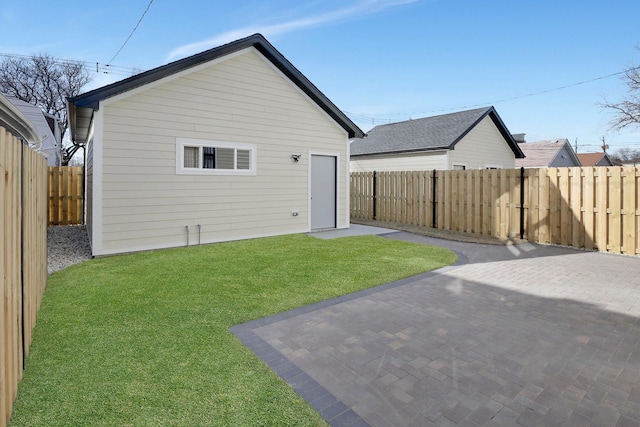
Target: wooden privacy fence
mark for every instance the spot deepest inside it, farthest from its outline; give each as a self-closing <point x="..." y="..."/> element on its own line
<point x="591" y="207"/>
<point x="66" y="195"/>
<point x="23" y="258"/>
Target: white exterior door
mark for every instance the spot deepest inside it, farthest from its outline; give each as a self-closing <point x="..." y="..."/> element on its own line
<point x="323" y="191"/>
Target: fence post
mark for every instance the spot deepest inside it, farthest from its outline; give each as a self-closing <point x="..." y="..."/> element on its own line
<point x="433" y="221"/>
<point x="375" y="192"/>
<point x="521" y="203"/>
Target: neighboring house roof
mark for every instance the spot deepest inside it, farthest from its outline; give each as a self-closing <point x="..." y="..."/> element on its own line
<point x="595" y="159"/>
<point x="16" y="122"/>
<point x="430" y="133"/>
<point x="81" y="107"/>
<point x="547" y="154"/>
<point x="50" y="145"/>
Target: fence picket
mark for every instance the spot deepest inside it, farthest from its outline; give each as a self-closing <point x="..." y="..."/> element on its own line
<point x="628" y="210"/>
<point x="486" y="209"/>
<point x="602" y="185"/>
<point x="454" y="200"/>
<point x="576" y="237"/>
<point x="588" y="203"/>
<point x="614" y="211"/>
<point x="564" y="193"/>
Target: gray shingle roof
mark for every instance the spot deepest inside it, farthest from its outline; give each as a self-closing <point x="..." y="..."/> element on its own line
<point x="429" y="133"/>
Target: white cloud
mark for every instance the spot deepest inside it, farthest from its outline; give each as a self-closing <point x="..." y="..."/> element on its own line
<point x="363" y="7"/>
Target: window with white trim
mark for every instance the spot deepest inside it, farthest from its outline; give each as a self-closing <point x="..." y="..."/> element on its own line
<point x="203" y="157"/>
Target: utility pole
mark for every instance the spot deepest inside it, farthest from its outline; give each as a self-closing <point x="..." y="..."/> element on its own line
<point x="604" y="145"/>
<point x="576" y="145"/>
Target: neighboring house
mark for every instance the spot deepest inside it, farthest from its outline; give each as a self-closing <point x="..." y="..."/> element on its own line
<point x="473" y="139"/>
<point x="14" y="121"/>
<point x="48" y="126"/>
<point x="232" y="143"/>
<point x="548" y="154"/>
<point x="595" y="159"/>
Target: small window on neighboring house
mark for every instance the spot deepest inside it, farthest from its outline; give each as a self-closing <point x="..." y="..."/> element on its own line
<point x="459" y="167"/>
<point x="201" y="157"/>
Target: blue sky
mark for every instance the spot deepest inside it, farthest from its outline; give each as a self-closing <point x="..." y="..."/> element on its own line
<point x="380" y="61"/>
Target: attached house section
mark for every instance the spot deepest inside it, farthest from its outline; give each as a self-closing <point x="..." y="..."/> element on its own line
<point x="216" y="152"/>
<point x="419" y="161"/>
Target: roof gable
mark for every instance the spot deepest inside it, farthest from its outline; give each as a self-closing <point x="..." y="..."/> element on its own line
<point x="37" y="117"/>
<point x="595" y="159"/>
<point x="16" y="122"/>
<point x="81" y="107"/>
<point x="430" y="133"/>
<point x="546" y="153"/>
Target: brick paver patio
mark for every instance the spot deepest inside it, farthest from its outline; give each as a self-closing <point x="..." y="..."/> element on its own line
<point x="522" y="335"/>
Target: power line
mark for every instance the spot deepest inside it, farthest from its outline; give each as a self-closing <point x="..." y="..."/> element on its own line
<point x="113" y="69"/>
<point x="131" y="34"/>
<point x="373" y="119"/>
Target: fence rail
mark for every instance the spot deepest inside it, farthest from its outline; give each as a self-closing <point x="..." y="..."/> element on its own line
<point x="23" y="259"/>
<point x="66" y="195"/>
<point x="590" y="207"/>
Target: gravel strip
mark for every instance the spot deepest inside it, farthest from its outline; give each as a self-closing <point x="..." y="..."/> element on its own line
<point x="66" y="245"/>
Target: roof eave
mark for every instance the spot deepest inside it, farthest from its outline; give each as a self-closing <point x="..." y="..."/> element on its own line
<point x="92" y="98"/>
<point x="505" y="133"/>
<point x="416" y="150"/>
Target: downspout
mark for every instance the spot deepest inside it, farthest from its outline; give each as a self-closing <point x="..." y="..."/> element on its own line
<point x="84" y="184"/>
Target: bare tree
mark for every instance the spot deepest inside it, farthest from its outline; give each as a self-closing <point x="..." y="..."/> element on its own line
<point x="46" y="82"/>
<point x="627" y="111"/>
<point x="625" y="154"/>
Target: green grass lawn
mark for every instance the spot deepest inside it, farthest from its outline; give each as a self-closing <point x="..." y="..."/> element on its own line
<point x="143" y="340"/>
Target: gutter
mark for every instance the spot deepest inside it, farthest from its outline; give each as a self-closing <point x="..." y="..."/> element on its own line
<point x="413" y="151"/>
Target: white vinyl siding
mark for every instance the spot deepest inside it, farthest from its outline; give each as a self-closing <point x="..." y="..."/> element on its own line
<point x="483" y="146"/>
<point x="242" y="100"/>
<point x="399" y="162"/>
